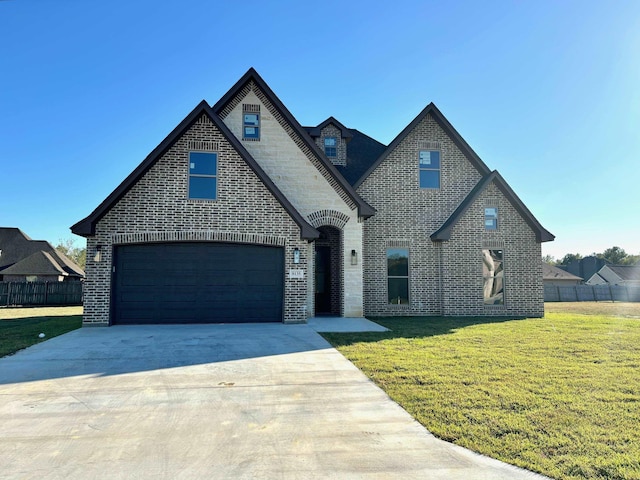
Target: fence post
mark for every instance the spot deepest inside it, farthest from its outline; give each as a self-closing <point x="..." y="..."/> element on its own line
<point x="46" y="293"/>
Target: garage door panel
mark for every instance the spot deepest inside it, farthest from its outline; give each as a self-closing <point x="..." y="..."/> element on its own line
<point x="198" y="283"/>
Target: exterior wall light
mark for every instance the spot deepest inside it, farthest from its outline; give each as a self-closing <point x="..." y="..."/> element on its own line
<point x="354" y="257"/>
<point x="98" y="256"/>
<point x="296" y="255"/>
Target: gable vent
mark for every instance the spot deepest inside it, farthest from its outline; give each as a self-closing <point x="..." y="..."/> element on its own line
<point x="247" y="107"/>
<point x="430" y="145"/>
<point x="203" y="146"/>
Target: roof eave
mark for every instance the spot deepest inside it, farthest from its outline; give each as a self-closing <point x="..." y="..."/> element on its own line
<point x="449" y="130"/>
<point x="364" y="210"/>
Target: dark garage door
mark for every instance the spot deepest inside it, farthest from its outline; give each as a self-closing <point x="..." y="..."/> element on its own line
<point x="197" y="283"/>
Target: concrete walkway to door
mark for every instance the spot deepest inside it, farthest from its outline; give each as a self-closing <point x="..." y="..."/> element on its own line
<point x="211" y="401"/>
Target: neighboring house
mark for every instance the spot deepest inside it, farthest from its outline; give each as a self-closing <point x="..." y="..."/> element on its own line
<point x="23" y="259"/>
<point x="628" y="275"/>
<point x="556" y="276"/>
<point x="585" y="267"/>
<point x="243" y="215"/>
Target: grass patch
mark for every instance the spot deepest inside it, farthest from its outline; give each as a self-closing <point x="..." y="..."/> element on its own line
<point x="20" y="327"/>
<point x="559" y="395"/>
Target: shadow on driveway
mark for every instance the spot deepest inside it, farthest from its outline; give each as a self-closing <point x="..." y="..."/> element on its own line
<point x="127" y="349"/>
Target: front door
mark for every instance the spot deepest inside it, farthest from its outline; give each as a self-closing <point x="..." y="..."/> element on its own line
<point x="323" y="280"/>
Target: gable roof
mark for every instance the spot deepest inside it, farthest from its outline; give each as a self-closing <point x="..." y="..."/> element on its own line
<point x="626" y="272"/>
<point x="15" y="246"/>
<point x="362" y="150"/>
<point x="444" y="232"/>
<point x="440" y="119"/>
<point x="39" y="263"/>
<point x="316" y="131"/>
<point x="86" y="226"/>
<point x="364" y="209"/>
<point x="551" y="272"/>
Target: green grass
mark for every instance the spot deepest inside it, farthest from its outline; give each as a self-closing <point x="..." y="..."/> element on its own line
<point x="20" y="327"/>
<point x="559" y="395"/>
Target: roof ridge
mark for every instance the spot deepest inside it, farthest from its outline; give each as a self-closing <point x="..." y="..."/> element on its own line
<point x="444" y="232"/>
<point x="449" y="130"/>
<point x="364" y="209"/>
<point x="86" y="226"/>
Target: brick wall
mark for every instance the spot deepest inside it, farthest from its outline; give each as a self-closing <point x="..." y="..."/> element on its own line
<point x="444" y="278"/>
<point x="462" y="261"/>
<point x="341" y="145"/>
<point x="298" y="173"/>
<point x="157" y="206"/>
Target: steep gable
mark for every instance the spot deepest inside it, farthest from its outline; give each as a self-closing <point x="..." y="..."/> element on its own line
<point x="86" y="227"/>
<point x="283" y="127"/>
<point x="444" y="232"/>
<point x="432" y="111"/>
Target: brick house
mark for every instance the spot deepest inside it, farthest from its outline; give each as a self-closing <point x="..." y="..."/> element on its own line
<point x="25" y="260"/>
<point x="243" y="215"/>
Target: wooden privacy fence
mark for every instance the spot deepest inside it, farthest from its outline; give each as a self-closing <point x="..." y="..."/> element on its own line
<point x="40" y="293"/>
<point x="592" y="293"/>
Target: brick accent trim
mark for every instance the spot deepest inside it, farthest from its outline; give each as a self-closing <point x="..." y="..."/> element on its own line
<point x="197" y="236"/>
<point x="328" y="217"/>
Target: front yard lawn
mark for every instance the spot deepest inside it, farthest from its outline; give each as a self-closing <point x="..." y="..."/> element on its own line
<point x="559" y="395"/>
<point x="20" y="327"/>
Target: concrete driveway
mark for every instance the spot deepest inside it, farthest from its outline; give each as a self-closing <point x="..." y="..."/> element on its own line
<point x="211" y="401"/>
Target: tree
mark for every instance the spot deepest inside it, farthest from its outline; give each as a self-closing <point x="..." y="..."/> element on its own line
<point x="615" y="255"/>
<point x="551" y="260"/>
<point x="570" y="258"/>
<point x="68" y="248"/>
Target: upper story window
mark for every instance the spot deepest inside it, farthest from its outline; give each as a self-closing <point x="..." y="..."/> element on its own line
<point x="398" y="276"/>
<point x="429" y="168"/>
<point x="330" y="146"/>
<point x="491" y="218"/>
<point x="250" y="122"/>
<point x="203" y="175"/>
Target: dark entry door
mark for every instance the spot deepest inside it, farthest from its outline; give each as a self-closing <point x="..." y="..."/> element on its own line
<point x="323" y="280"/>
<point x="197" y="283"/>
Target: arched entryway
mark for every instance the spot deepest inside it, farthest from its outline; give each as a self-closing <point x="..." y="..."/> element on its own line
<point x="328" y="272"/>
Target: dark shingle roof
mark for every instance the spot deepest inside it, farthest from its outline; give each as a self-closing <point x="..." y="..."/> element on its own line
<point x="17" y="246"/>
<point x="626" y="272"/>
<point x="550" y="272"/>
<point x="39" y="263"/>
<point x="362" y="152"/>
<point x="316" y="131"/>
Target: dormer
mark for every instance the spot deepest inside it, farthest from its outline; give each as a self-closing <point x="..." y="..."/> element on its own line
<point x="332" y="138"/>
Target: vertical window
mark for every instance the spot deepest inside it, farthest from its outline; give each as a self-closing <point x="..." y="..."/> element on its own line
<point x="203" y="175"/>
<point x="398" y="276"/>
<point x="251" y="122"/>
<point x="493" y="276"/>
<point x="330" y="146"/>
<point x="491" y="218"/>
<point x="429" y="161"/>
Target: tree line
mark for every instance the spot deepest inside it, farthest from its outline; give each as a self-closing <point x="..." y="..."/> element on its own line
<point x="614" y="255"/>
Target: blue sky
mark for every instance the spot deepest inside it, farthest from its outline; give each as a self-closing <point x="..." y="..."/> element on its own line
<point x="546" y="92"/>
